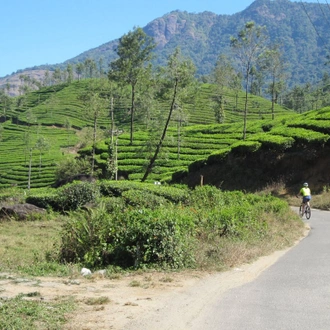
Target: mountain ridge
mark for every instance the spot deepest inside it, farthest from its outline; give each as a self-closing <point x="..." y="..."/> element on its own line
<point x="301" y="28"/>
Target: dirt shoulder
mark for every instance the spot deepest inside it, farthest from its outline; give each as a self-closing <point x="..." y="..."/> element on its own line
<point x="139" y="301"/>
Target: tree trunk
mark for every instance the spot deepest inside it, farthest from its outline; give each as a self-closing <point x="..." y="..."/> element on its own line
<point x="153" y="159"/>
<point x="246" y="105"/>
<point x="132" y="113"/>
<point x="94" y="144"/>
<point x="30" y="168"/>
<point x="273" y="99"/>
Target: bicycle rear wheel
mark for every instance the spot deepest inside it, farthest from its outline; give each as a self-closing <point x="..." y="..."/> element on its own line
<point x="308" y="212"/>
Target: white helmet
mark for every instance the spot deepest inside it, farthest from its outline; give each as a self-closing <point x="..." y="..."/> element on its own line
<point x="305" y="184"/>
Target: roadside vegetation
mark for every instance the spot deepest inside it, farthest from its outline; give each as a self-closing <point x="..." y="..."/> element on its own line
<point x="128" y="226"/>
<point x="135" y="225"/>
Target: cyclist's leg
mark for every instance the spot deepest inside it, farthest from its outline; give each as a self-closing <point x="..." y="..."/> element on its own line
<point x="307" y="201"/>
<point x="303" y="203"/>
<point x="302" y="209"/>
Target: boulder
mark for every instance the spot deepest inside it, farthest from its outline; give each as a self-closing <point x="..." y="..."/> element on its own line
<point x="19" y="211"/>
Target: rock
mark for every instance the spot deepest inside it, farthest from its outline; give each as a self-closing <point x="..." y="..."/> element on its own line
<point x="20" y="211"/>
<point x="85" y="272"/>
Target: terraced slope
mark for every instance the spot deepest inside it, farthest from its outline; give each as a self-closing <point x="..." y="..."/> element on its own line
<point x="56" y="115"/>
<point x="290" y="149"/>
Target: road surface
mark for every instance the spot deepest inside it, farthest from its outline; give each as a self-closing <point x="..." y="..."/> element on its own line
<point x="292" y="293"/>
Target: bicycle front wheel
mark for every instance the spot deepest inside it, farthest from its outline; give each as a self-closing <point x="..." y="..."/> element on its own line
<point x="308" y="212"/>
<point x="300" y="211"/>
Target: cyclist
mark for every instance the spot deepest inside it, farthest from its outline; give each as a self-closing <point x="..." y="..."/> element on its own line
<point x="305" y="192"/>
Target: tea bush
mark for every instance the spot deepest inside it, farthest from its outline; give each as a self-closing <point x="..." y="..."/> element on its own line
<point x="76" y="195"/>
<point x="117" y="188"/>
<point x="145" y="199"/>
<point x="274" y="142"/>
<point x="143" y="229"/>
<point x="44" y="198"/>
<point x="132" y="237"/>
<point x="244" y="147"/>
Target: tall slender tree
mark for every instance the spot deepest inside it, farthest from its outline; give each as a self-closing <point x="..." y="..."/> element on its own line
<point x="134" y="51"/>
<point x="5" y="104"/>
<point x="177" y="78"/>
<point x="224" y="74"/>
<point x="273" y="65"/>
<point x="247" y="46"/>
<point x="41" y="145"/>
<point x="79" y="70"/>
<point x="90" y="67"/>
<point x="95" y="107"/>
<point x="69" y="72"/>
<point x="57" y="76"/>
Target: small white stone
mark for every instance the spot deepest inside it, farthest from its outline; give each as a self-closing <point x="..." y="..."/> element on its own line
<point x="85" y="272"/>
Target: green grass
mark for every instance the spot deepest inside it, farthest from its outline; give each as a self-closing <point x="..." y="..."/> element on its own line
<point x="27" y="247"/>
<point x="19" y="313"/>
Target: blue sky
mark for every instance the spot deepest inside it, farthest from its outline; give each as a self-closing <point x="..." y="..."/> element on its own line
<point x="35" y="32"/>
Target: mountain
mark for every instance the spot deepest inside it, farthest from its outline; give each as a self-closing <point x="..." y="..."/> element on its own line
<point x="301" y="28"/>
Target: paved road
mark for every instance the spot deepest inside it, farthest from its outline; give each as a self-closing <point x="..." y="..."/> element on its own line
<point x="294" y="293"/>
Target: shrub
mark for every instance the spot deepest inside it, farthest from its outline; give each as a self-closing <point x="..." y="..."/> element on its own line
<point x="150" y="234"/>
<point x="43" y="198"/>
<point x="71" y="167"/>
<point x="274" y="142"/>
<point x="11" y="194"/>
<point x="301" y="135"/>
<point x="75" y="195"/>
<point x="243" y="147"/>
<point x="145" y="199"/>
<point x="104" y="156"/>
<point x="132" y="238"/>
<point x="229" y="214"/>
<point x="117" y="188"/>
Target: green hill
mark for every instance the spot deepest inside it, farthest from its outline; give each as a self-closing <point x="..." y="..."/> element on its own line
<point x="55" y="115"/>
<point x="286" y="151"/>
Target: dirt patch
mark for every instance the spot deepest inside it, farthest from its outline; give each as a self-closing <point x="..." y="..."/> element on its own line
<point x="151" y="300"/>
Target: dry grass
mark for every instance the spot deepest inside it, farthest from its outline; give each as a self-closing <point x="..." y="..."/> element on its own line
<point x="277" y="189"/>
<point x="319" y="201"/>
<point x="222" y="253"/>
<point x="24" y="243"/>
<point x="97" y="300"/>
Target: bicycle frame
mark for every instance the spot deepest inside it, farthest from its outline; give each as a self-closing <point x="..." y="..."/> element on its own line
<point x="307" y="210"/>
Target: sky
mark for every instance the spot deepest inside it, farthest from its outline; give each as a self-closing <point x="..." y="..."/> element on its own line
<point x="36" y="32"/>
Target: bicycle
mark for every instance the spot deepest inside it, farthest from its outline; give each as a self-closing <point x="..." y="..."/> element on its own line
<point x="307" y="212"/>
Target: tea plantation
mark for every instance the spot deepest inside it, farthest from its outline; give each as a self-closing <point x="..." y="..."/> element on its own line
<point x="50" y="124"/>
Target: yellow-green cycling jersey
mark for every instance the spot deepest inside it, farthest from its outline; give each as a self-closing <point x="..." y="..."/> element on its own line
<point x="304" y="191"/>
